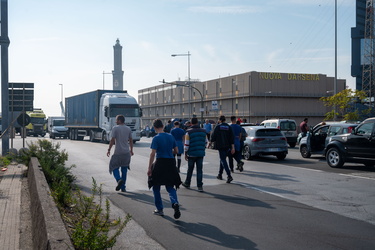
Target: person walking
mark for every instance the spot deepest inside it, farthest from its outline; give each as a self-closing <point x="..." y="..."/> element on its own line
<point x="120" y="160"/>
<point x="208" y="127"/>
<point x="304" y="127"/>
<point x="195" y="146"/>
<point x="242" y="139"/>
<point x="147" y="131"/>
<point x="224" y="143"/>
<point x="179" y="135"/>
<point x="163" y="171"/>
<point x="237" y="146"/>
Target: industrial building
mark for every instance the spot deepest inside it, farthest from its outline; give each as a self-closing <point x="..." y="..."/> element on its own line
<point x="254" y="96"/>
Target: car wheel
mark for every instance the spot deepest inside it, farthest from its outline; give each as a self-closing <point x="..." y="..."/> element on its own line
<point x="334" y="158"/>
<point x="292" y="144"/>
<point x="281" y="156"/>
<point x="305" y="151"/>
<point x="247" y="153"/>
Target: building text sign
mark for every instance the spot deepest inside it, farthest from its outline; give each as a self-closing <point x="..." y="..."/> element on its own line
<point x="289" y="76"/>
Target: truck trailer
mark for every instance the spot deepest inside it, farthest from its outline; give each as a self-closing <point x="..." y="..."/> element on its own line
<point x="94" y="114"/>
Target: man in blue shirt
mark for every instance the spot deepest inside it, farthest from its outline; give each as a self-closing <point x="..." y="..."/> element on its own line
<point x="179" y="135"/>
<point x="237" y="146"/>
<point x="163" y="171"/>
<point x="208" y="128"/>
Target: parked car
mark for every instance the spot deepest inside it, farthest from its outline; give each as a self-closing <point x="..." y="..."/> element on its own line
<point x="317" y="138"/>
<point x="151" y="133"/>
<point x="359" y="146"/>
<point x="287" y="126"/>
<point x="262" y="140"/>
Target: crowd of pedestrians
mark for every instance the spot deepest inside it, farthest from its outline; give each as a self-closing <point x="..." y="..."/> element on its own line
<point x="171" y="142"/>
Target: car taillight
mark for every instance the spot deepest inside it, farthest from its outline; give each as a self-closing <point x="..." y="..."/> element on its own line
<point x="350" y="129"/>
<point x="283" y="138"/>
<point x="257" y="139"/>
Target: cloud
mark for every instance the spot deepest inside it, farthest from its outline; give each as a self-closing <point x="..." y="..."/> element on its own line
<point x="225" y="9"/>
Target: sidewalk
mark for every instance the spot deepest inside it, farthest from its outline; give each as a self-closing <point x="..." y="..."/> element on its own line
<point x="10" y="206"/>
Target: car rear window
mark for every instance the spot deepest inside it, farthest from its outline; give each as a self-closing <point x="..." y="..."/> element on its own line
<point x="287" y="125"/>
<point x="268" y="132"/>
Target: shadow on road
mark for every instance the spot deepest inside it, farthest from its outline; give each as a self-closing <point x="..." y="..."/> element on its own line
<point x="214" y="235"/>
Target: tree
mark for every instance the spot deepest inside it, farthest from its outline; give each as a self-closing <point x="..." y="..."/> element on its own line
<point x="346" y="105"/>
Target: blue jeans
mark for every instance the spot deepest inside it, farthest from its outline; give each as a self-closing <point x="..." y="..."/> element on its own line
<point x="199" y="162"/>
<point x="223" y="162"/>
<point x="124" y="172"/>
<point x="157" y="196"/>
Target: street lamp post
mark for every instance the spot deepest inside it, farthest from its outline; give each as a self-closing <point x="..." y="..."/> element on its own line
<point x="265" y="104"/>
<point x="190" y="87"/>
<point x="104" y="73"/>
<point x="62" y="97"/>
<point x="188" y="56"/>
<point x="61" y="91"/>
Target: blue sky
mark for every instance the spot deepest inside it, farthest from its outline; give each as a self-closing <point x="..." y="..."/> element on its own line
<point x="70" y="42"/>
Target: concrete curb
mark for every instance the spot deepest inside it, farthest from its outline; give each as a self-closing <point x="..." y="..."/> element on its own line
<point x="49" y="231"/>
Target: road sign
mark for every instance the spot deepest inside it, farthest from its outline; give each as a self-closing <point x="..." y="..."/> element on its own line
<point x="214" y="105"/>
<point x="21" y="96"/>
<point x="23" y="119"/>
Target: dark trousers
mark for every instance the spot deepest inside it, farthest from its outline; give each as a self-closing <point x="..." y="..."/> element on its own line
<point x="198" y="161"/>
<point x="223" y="162"/>
<point x="236" y="156"/>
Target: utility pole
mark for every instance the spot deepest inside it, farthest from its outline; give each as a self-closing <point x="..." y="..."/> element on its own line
<point x="4" y="43"/>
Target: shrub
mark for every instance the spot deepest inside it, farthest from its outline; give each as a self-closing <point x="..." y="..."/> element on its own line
<point x="88" y="223"/>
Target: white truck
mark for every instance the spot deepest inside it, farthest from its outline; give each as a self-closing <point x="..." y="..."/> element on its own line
<point x="94" y="114"/>
<point x="56" y="127"/>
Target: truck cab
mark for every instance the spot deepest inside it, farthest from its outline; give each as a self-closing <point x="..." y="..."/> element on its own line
<point x="37" y="125"/>
<point x="113" y="104"/>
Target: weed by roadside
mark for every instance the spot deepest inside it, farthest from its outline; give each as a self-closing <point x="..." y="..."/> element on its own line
<point x="87" y="218"/>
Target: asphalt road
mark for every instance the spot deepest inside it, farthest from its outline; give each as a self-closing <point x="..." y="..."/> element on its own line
<point x="292" y="204"/>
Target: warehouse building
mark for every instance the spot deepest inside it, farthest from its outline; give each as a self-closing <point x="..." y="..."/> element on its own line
<point x="254" y="96"/>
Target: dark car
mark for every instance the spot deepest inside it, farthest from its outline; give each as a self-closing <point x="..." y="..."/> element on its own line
<point x="317" y="138"/>
<point x="262" y="140"/>
<point x="152" y="133"/>
<point x="359" y="146"/>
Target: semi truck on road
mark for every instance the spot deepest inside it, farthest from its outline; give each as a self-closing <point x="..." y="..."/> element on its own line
<point x="94" y="114"/>
<point x="37" y="125"/>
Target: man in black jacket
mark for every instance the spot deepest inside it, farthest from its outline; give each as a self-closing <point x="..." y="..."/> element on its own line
<point x="224" y="143"/>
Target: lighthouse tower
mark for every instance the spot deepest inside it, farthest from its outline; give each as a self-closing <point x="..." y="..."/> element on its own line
<point x="118" y="73"/>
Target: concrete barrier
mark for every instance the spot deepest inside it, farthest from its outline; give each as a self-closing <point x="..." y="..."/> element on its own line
<point x="49" y="231"/>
